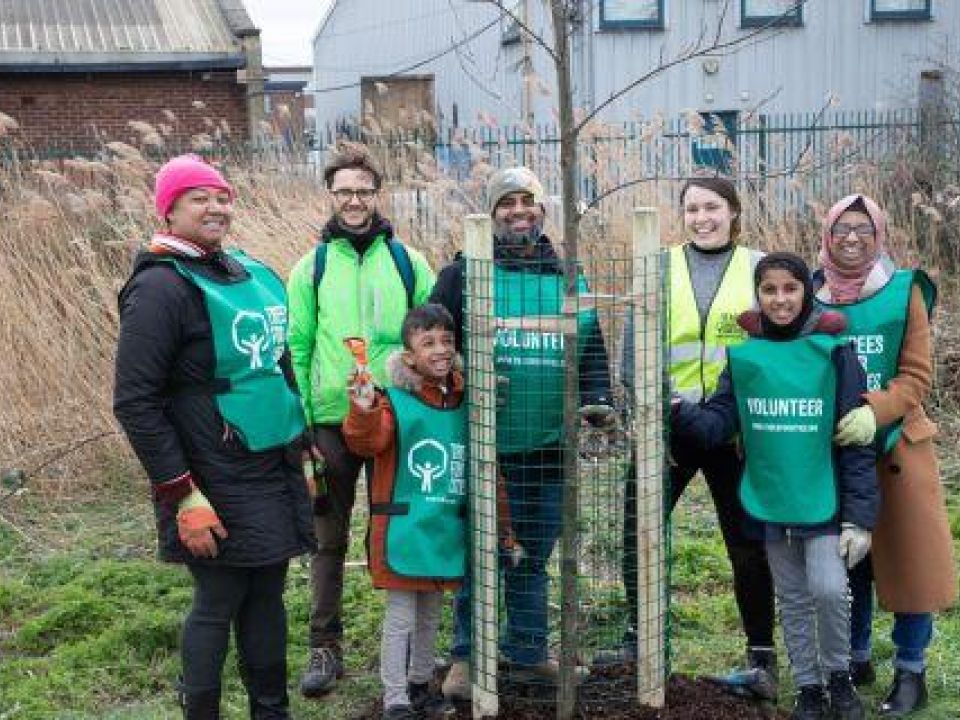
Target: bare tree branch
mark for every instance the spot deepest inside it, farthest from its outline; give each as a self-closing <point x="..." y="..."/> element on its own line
<point x="525" y="28"/>
<point x="697" y="51"/>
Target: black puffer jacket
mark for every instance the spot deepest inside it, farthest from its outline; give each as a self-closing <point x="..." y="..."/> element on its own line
<point x="165" y="358"/>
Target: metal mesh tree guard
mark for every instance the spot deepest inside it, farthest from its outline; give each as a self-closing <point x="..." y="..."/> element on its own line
<point x="559" y="441"/>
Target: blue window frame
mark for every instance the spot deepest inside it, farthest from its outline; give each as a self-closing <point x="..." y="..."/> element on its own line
<point x="711" y="148"/>
<point x="900" y="10"/>
<point x="625" y="14"/>
<point x="756" y="13"/>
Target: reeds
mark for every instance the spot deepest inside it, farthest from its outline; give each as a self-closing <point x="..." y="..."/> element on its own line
<point x="70" y="227"/>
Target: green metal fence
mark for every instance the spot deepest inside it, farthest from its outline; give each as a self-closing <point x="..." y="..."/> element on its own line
<point x="762" y="148"/>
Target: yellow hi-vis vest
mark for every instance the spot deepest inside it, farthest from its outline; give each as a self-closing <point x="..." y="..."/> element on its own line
<point x="698" y="352"/>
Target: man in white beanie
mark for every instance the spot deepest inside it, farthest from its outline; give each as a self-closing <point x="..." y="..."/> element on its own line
<point x="528" y="282"/>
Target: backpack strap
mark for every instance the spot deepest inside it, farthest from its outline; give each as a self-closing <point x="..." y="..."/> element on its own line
<point x="401" y="258"/>
<point x="399" y="255"/>
<point x="319" y="265"/>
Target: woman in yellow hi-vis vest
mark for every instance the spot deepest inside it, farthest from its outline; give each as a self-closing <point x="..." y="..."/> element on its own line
<point x="711" y="283"/>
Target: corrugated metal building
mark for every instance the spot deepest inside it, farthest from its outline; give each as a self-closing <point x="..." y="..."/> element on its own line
<point x="868" y="54"/>
<point x="361" y="42"/>
<point x="75" y="74"/>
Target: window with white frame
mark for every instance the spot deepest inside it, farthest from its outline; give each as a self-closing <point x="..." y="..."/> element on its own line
<point x="631" y="14"/>
<point x="756" y="13"/>
<point x="900" y="9"/>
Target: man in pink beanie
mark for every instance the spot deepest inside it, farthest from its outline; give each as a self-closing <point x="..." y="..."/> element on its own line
<point x="183" y="173"/>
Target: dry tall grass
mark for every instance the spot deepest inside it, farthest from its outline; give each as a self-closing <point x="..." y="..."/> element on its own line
<point x="69" y="229"/>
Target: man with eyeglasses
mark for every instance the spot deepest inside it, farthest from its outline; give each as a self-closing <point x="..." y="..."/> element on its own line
<point x="359" y="281"/>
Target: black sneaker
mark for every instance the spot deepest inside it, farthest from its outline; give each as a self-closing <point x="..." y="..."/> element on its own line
<point x="429" y="703"/>
<point x="909" y="693"/>
<point x="400" y="712"/>
<point x="845" y="704"/>
<point x="862" y="673"/>
<point x="323" y="670"/>
<point x="625" y="653"/>
<point x="811" y="704"/>
<point x="764" y="661"/>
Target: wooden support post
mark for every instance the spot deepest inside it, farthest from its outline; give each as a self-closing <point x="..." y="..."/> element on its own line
<point x="482" y="405"/>
<point x="650" y="454"/>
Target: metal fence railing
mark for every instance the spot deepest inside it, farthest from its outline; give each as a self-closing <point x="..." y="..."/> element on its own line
<point x="771" y="151"/>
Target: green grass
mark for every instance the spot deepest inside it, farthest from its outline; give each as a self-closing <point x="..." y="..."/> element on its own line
<point x="90" y="621"/>
<point x="706" y="627"/>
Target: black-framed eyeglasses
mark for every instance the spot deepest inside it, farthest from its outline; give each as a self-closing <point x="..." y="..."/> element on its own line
<point x="346" y="194"/>
<point x="863" y="230"/>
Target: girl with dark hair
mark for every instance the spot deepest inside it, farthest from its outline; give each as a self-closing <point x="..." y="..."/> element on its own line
<point x="783" y="391"/>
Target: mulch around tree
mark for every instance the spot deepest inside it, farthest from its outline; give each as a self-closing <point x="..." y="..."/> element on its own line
<point x="609" y="693"/>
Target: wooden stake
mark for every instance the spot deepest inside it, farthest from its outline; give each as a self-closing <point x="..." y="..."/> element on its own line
<point x="648" y="421"/>
<point x="482" y="406"/>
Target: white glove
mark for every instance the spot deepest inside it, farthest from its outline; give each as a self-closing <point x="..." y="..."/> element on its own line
<point x="854" y="543"/>
<point x="857" y="427"/>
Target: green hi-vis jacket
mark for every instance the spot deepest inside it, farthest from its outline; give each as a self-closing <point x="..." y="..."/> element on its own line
<point x="248" y="321"/>
<point x="786" y="400"/>
<point x="358" y="296"/>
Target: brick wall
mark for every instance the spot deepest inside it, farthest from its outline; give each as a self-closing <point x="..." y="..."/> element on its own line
<point x="80" y="112"/>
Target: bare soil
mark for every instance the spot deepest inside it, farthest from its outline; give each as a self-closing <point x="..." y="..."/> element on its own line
<point x="609" y="693"/>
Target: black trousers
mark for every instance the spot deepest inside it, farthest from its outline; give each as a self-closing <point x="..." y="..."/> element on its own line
<point x="742" y="536"/>
<point x="248" y="599"/>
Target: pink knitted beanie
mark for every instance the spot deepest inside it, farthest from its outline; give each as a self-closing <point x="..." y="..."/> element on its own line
<point x="183" y="173"/>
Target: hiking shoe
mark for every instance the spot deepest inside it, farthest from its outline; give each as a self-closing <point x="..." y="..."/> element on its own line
<point x="862" y="673"/>
<point x="626" y="652"/>
<point x="429" y="703"/>
<point x="758" y="682"/>
<point x="811" y="704"/>
<point x="324" y="668"/>
<point x="547" y="671"/>
<point x="909" y="693"/>
<point x="456" y="685"/>
<point x="845" y="704"/>
<point x="400" y="712"/>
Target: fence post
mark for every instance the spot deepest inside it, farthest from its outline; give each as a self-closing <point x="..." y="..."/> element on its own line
<point x="650" y="453"/>
<point x="932" y="104"/>
<point x="481" y="384"/>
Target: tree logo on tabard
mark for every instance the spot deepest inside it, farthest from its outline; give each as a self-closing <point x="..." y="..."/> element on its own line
<point x="428" y="460"/>
<point x="251" y="336"/>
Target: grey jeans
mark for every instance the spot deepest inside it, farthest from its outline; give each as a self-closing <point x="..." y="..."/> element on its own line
<point x="810" y="580"/>
<point x="409" y="631"/>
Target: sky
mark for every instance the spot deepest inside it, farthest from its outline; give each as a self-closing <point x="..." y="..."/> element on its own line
<point x="286" y="28"/>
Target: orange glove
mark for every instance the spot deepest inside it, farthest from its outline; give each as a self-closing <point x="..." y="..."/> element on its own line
<point x="197" y="524"/>
<point x="309" y="471"/>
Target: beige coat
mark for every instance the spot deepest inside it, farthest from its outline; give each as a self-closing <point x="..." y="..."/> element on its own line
<point x="913" y="563"/>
